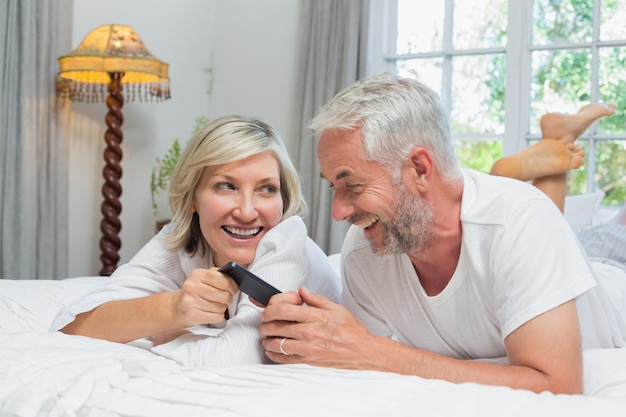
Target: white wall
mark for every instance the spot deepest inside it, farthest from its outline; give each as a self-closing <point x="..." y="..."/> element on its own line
<point x="256" y="60"/>
<point x="252" y="47"/>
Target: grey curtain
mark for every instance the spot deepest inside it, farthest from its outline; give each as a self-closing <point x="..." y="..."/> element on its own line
<point x="334" y="46"/>
<point x="33" y="149"/>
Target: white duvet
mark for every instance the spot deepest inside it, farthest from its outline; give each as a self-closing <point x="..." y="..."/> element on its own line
<point x="52" y="374"/>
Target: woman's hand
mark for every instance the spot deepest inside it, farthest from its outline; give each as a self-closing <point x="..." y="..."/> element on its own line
<point x="204" y="297"/>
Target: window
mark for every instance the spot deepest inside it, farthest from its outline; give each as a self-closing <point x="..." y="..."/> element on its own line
<point x="500" y="64"/>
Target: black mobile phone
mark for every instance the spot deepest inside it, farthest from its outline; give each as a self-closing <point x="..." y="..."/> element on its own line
<point x="249" y="283"/>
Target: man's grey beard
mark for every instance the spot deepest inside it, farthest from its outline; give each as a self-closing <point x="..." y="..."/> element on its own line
<point x="411" y="228"/>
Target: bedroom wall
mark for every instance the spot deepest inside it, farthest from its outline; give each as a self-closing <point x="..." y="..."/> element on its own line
<point x="252" y="48"/>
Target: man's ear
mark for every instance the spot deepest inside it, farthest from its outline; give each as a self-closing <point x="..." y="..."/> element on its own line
<point x="421" y="165"/>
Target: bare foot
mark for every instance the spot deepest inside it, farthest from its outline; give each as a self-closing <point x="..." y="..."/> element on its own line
<point x="546" y="157"/>
<point x="569" y="127"/>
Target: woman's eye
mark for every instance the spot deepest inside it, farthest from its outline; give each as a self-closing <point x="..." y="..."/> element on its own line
<point x="224" y="186"/>
<point x="269" y="189"/>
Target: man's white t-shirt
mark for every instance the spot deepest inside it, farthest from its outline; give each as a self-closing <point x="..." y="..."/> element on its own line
<point x="519" y="258"/>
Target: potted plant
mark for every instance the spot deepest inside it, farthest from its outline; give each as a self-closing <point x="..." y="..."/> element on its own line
<point x="162" y="171"/>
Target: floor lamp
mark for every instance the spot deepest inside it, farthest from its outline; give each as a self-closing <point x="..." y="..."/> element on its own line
<point x="112" y="58"/>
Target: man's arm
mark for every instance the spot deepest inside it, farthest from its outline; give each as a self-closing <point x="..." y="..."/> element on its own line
<point x="544" y="354"/>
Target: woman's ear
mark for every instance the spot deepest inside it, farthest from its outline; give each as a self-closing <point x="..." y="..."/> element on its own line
<point x="421" y="164"/>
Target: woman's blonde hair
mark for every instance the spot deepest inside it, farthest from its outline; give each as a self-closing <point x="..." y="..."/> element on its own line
<point x="222" y="141"/>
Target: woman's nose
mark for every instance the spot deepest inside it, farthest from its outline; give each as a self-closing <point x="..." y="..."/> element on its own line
<point x="246" y="209"/>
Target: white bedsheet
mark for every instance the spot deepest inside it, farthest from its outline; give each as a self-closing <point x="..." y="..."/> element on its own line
<point x="52" y="374"/>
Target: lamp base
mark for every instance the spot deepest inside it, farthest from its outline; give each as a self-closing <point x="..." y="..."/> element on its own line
<point x="111" y="208"/>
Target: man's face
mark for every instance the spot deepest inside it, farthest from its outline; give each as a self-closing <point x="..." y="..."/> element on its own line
<point x="393" y="219"/>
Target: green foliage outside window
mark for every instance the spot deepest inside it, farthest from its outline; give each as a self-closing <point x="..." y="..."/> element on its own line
<point x="566" y="74"/>
<point x="478" y="155"/>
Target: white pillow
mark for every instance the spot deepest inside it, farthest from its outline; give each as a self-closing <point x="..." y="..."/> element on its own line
<point x="579" y="209"/>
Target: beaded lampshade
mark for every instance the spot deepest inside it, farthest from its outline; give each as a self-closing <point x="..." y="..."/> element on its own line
<point x="84" y="72"/>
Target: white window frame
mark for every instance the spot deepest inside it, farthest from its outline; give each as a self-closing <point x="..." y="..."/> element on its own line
<point x="516" y="134"/>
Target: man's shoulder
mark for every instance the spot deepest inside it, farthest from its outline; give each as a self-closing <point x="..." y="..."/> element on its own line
<point x="491" y="199"/>
<point x="487" y="182"/>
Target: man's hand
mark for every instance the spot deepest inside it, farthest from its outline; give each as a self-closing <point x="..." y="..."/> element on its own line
<point x="319" y="333"/>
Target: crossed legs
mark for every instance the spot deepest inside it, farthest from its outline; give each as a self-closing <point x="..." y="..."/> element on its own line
<point x="547" y="162"/>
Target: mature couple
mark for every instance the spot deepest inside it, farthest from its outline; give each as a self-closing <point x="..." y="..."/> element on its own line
<point x="441" y="265"/>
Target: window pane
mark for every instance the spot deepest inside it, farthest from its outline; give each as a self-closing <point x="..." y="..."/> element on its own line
<point x="572" y="63"/>
<point x="479" y="23"/>
<point x="420" y="29"/>
<point x="475" y="107"/>
<point x="427" y="71"/>
<point x="610" y="178"/>
<point x="560" y="82"/>
<point x="612" y="87"/>
<point x="478" y="155"/>
<point x="613" y="18"/>
<point x="557" y="21"/>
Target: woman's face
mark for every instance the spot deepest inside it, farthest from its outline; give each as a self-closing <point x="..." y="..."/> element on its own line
<point x="237" y="203"/>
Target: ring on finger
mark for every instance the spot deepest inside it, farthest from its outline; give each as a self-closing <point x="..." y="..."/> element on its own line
<point x="282" y="350"/>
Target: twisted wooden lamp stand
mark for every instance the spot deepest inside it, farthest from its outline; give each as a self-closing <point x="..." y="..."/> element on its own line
<point x="111" y="208"/>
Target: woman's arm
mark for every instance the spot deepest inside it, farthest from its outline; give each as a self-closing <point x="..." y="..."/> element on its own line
<point x="203" y="299"/>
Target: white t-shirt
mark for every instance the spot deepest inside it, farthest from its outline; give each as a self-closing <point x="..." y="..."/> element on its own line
<point x="519" y="258"/>
<point x="286" y="258"/>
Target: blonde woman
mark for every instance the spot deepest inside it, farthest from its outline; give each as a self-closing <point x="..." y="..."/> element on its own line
<point x="235" y="196"/>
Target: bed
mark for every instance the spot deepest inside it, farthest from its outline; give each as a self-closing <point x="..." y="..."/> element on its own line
<point x="52" y="374"/>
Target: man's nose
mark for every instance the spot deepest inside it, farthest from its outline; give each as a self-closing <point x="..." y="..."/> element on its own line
<point x="342" y="208"/>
